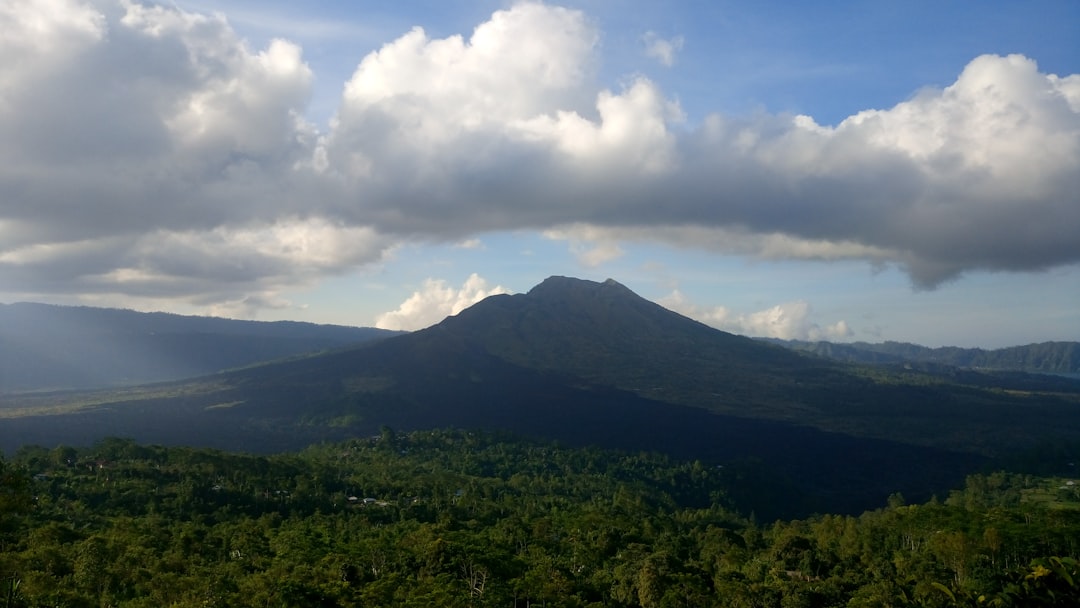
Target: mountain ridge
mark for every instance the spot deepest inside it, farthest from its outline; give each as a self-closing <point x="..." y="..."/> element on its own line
<point x="1053" y="357"/>
<point x="567" y="325"/>
<point x="50" y="347"/>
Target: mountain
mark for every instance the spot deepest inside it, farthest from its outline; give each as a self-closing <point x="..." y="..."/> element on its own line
<point x="590" y="363"/>
<point x="1044" y="358"/>
<point x="63" y="347"/>
<point x="604" y="334"/>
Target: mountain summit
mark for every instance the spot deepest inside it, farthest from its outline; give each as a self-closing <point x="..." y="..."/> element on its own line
<point x="605" y="334"/>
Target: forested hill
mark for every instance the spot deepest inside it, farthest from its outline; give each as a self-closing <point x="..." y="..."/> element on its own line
<point x="453" y="519"/>
<point x="1044" y="357"/>
<point x="67" y="347"/>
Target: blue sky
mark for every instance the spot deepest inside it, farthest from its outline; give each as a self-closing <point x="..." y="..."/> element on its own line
<point x="845" y="171"/>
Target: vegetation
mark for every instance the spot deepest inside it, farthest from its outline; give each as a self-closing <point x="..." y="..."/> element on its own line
<point x="450" y="518"/>
<point x="1044" y="357"/>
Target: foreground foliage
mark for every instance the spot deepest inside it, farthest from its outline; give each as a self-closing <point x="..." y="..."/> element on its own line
<point x="458" y="519"/>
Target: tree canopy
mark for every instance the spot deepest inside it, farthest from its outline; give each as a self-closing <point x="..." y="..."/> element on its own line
<point x="452" y="518"/>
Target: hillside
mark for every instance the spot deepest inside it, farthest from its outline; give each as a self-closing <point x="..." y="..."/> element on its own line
<point x="466" y="519"/>
<point x="46" y="347"/>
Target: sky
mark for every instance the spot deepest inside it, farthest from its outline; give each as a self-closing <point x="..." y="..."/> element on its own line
<point x="842" y="171"/>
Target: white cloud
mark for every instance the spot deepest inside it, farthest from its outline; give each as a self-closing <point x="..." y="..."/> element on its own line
<point x="632" y="132"/>
<point x="523" y="62"/>
<point x="251" y="264"/>
<point x="461" y="119"/>
<point x="591" y="246"/>
<point x="787" y="321"/>
<point x="470" y="244"/>
<point x="177" y="179"/>
<point x="937" y="184"/>
<point x="661" y="49"/>
<point x="435" y="302"/>
<point x="41" y="32"/>
<point x="248" y="307"/>
<point x="597" y="254"/>
<point x="149" y="150"/>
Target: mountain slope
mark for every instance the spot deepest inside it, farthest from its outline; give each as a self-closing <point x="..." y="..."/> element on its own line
<point x="587" y="341"/>
<point x="1044" y="357"/>
<point x="603" y="333"/>
<point x="435" y="382"/>
<point x="62" y="347"/>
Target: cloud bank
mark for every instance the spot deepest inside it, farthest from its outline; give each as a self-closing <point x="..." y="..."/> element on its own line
<point x="435" y="302"/>
<point x="150" y="152"/>
<point x="661" y="49"/>
<point x="787" y="321"/>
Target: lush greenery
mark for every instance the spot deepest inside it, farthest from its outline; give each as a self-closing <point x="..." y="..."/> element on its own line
<point x="443" y="518"/>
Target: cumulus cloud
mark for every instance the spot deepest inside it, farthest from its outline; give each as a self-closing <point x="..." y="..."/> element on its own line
<point x="149" y="151"/>
<point x="590" y="245"/>
<point x="661" y="49"/>
<point x="975" y="176"/>
<point x="435" y="302"/>
<point x="978" y="175"/>
<point x="787" y="321"/>
<point x="243" y="268"/>
<point x="470" y="244"/>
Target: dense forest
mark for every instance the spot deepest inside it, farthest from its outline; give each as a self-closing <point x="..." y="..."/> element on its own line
<point x="453" y="518"/>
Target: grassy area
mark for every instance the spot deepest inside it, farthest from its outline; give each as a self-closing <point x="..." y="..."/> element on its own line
<point x="67" y="402"/>
<point x="1054" y="493"/>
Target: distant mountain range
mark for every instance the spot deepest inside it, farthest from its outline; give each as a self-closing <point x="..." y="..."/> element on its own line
<point x="1044" y="358"/>
<point x="68" y="347"/>
<point x="594" y="364"/>
<point x="47" y="347"/>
